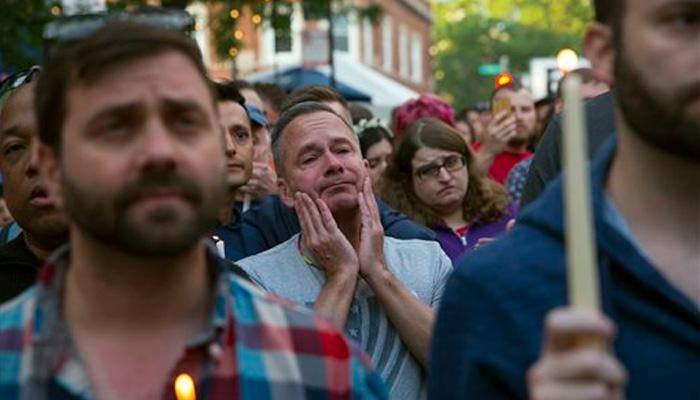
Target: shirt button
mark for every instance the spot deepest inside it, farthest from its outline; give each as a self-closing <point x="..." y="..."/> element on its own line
<point x="215" y="351"/>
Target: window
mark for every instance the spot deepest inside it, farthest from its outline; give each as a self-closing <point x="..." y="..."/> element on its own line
<point x="367" y="41"/>
<point x="340" y="33"/>
<point x="403" y="51"/>
<point x="387" y="44"/>
<point x="417" y="59"/>
<point x="282" y="26"/>
<point x="283" y="40"/>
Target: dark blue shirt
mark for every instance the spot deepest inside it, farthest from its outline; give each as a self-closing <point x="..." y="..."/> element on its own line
<point x="270" y="223"/>
<point x="489" y="327"/>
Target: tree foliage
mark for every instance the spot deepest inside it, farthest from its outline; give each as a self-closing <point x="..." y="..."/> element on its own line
<point x="22" y="21"/>
<point x="469" y="33"/>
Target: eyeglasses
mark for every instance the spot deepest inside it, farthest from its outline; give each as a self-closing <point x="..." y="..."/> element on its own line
<point x="16" y="80"/>
<point x="450" y="163"/>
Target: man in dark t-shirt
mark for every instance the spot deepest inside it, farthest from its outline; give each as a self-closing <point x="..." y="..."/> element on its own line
<point x="44" y="227"/>
<point x="546" y="164"/>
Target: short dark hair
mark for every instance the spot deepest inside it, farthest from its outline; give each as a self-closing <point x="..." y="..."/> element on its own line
<point x="316" y="93"/>
<point x="608" y="11"/>
<point x="290" y="114"/>
<point x="241" y="84"/>
<point x="271" y="93"/>
<point x="359" y="112"/>
<point x="114" y="45"/>
<point x="371" y="136"/>
<point x="227" y="91"/>
<point x="586" y="75"/>
<point x="514" y="86"/>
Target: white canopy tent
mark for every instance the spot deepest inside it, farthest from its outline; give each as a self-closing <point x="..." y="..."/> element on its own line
<point x="386" y="93"/>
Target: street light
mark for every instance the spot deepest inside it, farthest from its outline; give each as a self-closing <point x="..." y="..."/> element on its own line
<point x="567" y="60"/>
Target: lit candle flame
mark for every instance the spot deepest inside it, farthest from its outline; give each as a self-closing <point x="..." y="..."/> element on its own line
<point x="184" y="388"/>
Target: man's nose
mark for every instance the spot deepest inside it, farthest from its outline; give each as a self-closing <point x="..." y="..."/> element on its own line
<point x="33" y="162"/>
<point x="229" y="143"/>
<point x="158" y="147"/>
<point x="333" y="163"/>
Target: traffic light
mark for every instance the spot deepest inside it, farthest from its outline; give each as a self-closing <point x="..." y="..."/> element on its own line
<point x="504" y="79"/>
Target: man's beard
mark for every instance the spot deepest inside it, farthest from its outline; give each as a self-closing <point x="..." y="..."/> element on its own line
<point x="662" y="119"/>
<point x="163" y="232"/>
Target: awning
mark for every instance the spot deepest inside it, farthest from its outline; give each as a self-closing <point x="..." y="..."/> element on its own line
<point x="381" y="90"/>
<point x="294" y="78"/>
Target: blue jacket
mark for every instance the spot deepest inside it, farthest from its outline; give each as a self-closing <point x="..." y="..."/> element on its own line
<point x="489" y="327"/>
<point x="270" y="223"/>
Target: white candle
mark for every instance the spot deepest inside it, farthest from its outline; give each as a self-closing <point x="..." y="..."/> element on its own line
<point x="580" y="239"/>
<point x="246" y="202"/>
<point x="219" y="246"/>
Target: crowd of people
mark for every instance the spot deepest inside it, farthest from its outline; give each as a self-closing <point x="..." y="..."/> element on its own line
<point x="295" y="246"/>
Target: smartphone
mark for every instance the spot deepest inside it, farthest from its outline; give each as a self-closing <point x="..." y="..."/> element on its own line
<point x="500" y="105"/>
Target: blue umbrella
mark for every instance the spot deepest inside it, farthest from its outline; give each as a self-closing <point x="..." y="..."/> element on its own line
<point x="295" y="78"/>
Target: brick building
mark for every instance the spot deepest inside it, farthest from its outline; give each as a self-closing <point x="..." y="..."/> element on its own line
<point x="392" y="50"/>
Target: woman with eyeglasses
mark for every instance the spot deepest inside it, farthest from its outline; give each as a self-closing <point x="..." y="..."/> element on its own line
<point x="433" y="179"/>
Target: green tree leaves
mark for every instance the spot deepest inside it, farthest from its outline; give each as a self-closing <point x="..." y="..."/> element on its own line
<point x="469" y="33"/>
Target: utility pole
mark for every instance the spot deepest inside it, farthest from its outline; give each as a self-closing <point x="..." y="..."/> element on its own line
<point x="331" y="45"/>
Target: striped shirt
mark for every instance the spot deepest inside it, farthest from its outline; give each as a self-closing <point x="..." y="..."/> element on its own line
<point x="257" y="346"/>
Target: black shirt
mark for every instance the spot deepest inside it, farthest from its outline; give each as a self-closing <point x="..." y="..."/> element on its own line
<point x="546" y="164"/>
<point x="18" y="268"/>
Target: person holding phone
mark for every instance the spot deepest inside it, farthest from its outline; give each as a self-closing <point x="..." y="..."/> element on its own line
<point x="505" y="141"/>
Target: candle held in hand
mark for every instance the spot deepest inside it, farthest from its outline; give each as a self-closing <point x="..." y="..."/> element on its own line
<point x="184" y="388"/>
<point x="580" y="249"/>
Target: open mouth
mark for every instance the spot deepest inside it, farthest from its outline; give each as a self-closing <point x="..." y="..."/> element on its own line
<point x="39" y="197"/>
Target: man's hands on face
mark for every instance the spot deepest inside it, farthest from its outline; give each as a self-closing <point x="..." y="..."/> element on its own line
<point x="262" y="182"/>
<point x="499" y="132"/>
<point x="331" y="249"/>
<point x="371" y="248"/>
<point x="575" y="362"/>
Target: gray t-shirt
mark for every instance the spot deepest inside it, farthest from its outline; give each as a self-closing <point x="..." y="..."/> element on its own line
<point x="420" y="265"/>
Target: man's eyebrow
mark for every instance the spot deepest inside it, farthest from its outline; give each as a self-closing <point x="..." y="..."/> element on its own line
<point x="238" y="126"/>
<point x="342" y="140"/>
<point x="308" y="147"/>
<point x="14" y="131"/>
<point x="178" y="104"/>
<point x="128" y="110"/>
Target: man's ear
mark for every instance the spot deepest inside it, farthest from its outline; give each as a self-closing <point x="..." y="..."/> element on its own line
<point x="50" y="170"/>
<point x="599" y="48"/>
<point x="285" y="192"/>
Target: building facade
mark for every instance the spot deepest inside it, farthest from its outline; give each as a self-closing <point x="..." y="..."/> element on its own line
<point x="395" y="45"/>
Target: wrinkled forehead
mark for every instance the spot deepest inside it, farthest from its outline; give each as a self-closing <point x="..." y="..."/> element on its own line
<point x="18" y="108"/>
<point x="319" y="126"/>
<point x="232" y="113"/>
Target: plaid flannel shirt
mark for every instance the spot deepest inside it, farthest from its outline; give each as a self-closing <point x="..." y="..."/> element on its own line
<point x="257" y="346"/>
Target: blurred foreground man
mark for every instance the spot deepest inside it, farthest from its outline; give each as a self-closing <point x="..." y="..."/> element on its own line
<point x="504" y="330"/>
<point x="44" y="227"/>
<point x="133" y="148"/>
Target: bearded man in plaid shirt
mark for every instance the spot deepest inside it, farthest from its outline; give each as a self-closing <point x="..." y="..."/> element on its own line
<point x="132" y="150"/>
